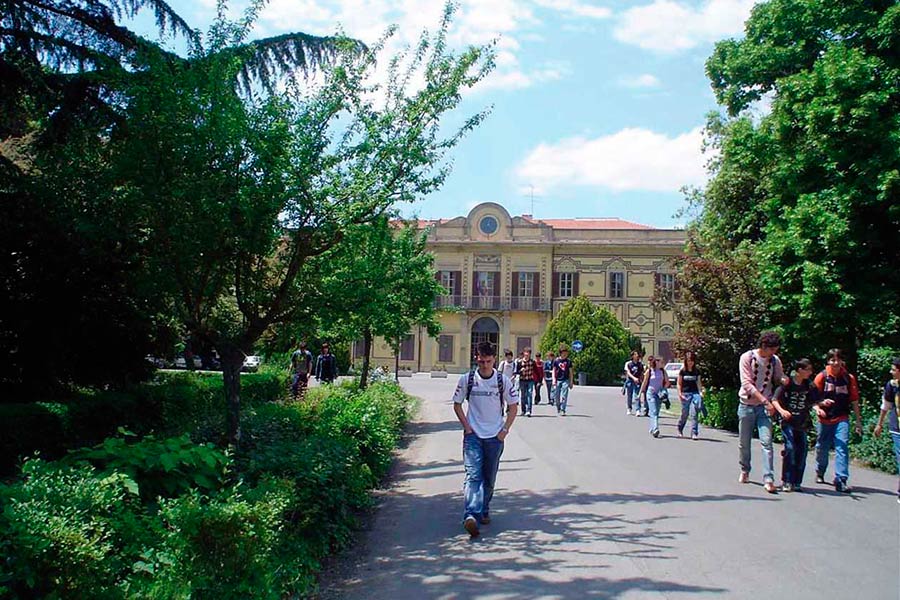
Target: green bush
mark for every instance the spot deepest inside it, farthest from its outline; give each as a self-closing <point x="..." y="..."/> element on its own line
<point x="166" y="468"/>
<point x="722" y="405"/>
<point x="69" y="532"/>
<point x="27" y="428"/>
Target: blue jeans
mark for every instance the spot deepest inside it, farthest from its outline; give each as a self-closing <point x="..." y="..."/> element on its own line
<point x="551" y="398"/>
<point x="690" y="407"/>
<point x="481" y="458"/>
<point x="632" y="395"/>
<point x="835" y="436"/>
<point x="562" y="395"/>
<point x="748" y="417"/>
<point x="653" y="409"/>
<point x="526" y="389"/>
<point x="895" y="435"/>
<point x="793" y="459"/>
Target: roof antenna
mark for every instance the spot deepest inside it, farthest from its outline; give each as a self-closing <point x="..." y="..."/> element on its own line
<point x="531" y="194"/>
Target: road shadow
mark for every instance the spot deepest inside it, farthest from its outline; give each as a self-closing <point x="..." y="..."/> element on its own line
<point x="538" y="544"/>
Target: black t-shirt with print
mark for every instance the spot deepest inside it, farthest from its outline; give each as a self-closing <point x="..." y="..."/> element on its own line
<point x="690" y="380"/>
<point x="798" y="398"/>
<point x="636" y="369"/>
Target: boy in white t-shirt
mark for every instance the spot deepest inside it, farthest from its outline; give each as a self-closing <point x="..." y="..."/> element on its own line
<point x="484" y="432"/>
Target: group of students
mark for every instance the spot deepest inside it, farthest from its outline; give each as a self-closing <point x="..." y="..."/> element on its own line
<point x="325" y="369"/>
<point x="529" y="375"/>
<point x="646" y="389"/>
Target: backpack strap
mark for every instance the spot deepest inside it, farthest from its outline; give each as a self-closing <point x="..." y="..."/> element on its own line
<point x="470" y="384"/>
<point x="500" y="390"/>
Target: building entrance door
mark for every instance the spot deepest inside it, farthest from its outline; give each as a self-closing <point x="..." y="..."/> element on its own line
<point x="484" y="329"/>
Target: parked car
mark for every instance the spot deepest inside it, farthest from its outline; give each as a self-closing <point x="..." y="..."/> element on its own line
<point x="156" y="361"/>
<point x="672" y="370"/>
<point x="251" y="363"/>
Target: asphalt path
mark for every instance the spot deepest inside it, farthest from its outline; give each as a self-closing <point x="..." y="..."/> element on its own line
<point x="590" y="506"/>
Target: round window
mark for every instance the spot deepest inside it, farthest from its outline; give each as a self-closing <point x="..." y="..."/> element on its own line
<point x="488" y="225"/>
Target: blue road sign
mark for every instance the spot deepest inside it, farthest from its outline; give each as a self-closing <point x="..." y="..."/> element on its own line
<point x="577" y="346"/>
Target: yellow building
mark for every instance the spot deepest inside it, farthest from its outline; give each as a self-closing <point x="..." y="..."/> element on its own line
<point x="509" y="275"/>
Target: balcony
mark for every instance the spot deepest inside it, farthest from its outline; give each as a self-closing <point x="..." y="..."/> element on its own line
<point x="493" y="303"/>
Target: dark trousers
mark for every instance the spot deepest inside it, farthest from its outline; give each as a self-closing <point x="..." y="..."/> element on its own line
<point x="793" y="461"/>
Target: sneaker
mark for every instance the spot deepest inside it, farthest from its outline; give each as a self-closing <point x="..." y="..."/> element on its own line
<point x="485" y="519"/>
<point x="797" y="489"/>
<point x="695" y="437"/>
<point x="842" y="486"/>
<point x="655" y="433"/>
<point x="820" y="478"/>
<point x="628" y="412"/>
<point x="787" y="488"/>
<point x="770" y="487"/>
<point x="680" y="433"/>
<point x="563" y="413"/>
<point x="471" y="526"/>
<point x="744" y="477"/>
<point x="528" y="414"/>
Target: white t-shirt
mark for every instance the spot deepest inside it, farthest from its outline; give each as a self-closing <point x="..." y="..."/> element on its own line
<point x="485" y="414"/>
<point x="507" y="368"/>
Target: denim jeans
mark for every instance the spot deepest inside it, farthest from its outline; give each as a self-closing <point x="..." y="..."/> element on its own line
<point x="632" y="396"/>
<point x="653" y="409"/>
<point x="690" y="407"/>
<point x="793" y="462"/>
<point x="748" y="417"/>
<point x="526" y="388"/>
<point x="551" y="396"/>
<point x="895" y="435"/>
<point x="562" y="395"/>
<point x="835" y="436"/>
<point x="537" y="391"/>
<point x="481" y="458"/>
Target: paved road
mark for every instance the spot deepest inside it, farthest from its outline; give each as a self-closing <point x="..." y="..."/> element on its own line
<point x="590" y="506"/>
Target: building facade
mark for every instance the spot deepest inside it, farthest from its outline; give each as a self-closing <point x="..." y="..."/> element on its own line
<point x="506" y="277"/>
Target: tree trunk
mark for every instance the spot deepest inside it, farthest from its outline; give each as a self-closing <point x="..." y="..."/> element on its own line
<point x="232" y="361"/>
<point x="367" y="348"/>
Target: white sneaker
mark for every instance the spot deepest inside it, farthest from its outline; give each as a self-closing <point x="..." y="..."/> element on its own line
<point x="628" y="411"/>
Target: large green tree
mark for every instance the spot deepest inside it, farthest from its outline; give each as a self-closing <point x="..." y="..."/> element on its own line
<point x="812" y="188"/>
<point x="379" y="281"/>
<point x="607" y="344"/>
<point x="233" y="197"/>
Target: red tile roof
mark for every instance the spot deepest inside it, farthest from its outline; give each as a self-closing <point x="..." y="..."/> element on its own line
<point x="608" y="223"/>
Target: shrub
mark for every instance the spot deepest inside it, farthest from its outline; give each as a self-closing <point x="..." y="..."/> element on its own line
<point x="722" y="405"/>
<point x="27" y="428"/>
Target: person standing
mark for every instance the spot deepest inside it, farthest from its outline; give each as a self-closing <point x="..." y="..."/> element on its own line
<point x="838" y="391"/>
<point x="538" y="377"/>
<point x="301" y="367"/>
<point x="548" y="377"/>
<point x="690" y="392"/>
<point x="508" y="365"/>
<point x="793" y="402"/>
<point x="487" y="392"/>
<point x="526" y="381"/>
<point x="634" y="376"/>
<point x="889" y="403"/>
<point x="326" y="365"/>
<point x="655" y="380"/>
<point x="760" y="372"/>
<point x="562" y="379"/>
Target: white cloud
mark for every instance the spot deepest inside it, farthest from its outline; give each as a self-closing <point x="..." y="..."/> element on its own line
<point x="630" y="159"/>
<point x="670" y="26"/>
<point x="575" y="8"/>
<point x="518" y="79"/>
<point x="641" y="81"/>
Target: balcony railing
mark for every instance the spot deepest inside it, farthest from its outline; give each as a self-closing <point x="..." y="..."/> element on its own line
<point x="493" y="303"/>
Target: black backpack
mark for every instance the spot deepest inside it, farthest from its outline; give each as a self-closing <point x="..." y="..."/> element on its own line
<point x="499" y="387"/>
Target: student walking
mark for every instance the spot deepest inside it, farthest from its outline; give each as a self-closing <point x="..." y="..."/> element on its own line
<point x="487" y="392"/>
<point x="548" y="378"/>
<point x="526" y="381"/>
<point x="655" y="380"/>
<point x="538" y="377"/>
<point x="889" y="402"/>
<point x="508" y="365"/>
<point x="690" y="392"/>
<point x="760" y="372"/>
<point x="301" y="367"/>
<point x="838" y="391"/>
<point x="326" y="365"/>
<point x="793" y="402"/>
<point x="634" y="376"/>
<point x="562" y="379"/>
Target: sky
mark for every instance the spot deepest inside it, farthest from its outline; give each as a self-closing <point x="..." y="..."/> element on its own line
<point x="596" y="106"/>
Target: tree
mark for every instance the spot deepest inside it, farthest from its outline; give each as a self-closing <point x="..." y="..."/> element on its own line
<point x="379" y="281"/>
<point x="812" y="190"/>
<point x="606" y="341"/>
<point x="233" y="197"/>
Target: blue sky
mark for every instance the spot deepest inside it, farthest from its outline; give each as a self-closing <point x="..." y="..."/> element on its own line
<point x="598" y="105"/>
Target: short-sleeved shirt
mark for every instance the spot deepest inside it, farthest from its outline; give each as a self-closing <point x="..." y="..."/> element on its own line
<point x="798" y="399"/>
<point x="507" y="368"/>
<point x="548" y="369"/>
<point x="636" y="369"/>
<point x="562" y="367"/>
<point x="690" y="381"/>
<point x="485" y="413"/>
<point x="889" y="403"/>
<point x="302" y="361"/>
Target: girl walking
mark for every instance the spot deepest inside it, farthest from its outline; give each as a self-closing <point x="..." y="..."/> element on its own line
<point x="690" y="391"/>
<point x="655" y="380"/>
